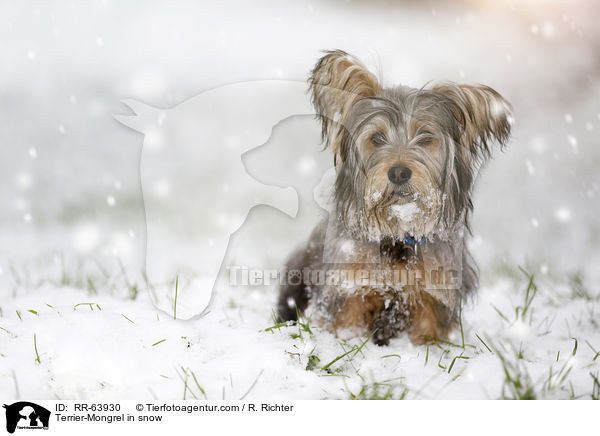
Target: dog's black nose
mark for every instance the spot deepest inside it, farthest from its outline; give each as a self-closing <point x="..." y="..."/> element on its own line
<point x="399" y="175"/>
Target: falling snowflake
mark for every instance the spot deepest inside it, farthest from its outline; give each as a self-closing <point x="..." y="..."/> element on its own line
<point x="563" y="214"/>
<point x="573" y="142"/>
<point x="85" y="237"/>
<point x="530" y="167"/>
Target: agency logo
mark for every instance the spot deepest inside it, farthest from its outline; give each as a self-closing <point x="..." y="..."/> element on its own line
<point x="26" y="415"/>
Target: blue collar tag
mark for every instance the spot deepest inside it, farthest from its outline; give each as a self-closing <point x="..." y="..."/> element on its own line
<point x="409" y="240"/>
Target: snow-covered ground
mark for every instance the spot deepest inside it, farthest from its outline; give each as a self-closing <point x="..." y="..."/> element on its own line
<point x="75" y="319"/>
<point x="101" y="340"/>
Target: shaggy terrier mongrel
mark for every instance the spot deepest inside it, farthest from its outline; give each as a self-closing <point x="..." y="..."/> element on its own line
<point x="392" y="255"/>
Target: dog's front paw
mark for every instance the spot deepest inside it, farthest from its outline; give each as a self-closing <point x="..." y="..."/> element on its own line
<point x="425" y="333"/>
<point x="431" y="321"/>
<point x="390" y="321"/>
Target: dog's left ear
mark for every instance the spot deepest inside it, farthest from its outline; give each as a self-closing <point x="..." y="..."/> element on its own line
<point x="484" y="114"/>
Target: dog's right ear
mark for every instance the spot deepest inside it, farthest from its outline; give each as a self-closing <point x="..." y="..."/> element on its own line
<point x="336" y="83"/>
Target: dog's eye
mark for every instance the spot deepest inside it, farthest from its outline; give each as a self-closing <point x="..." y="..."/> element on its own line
<point x="425" y="138"/>
<point x="378" y="139"/>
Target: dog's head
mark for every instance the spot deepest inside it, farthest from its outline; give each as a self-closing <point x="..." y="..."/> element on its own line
<point x="405" y="158"/>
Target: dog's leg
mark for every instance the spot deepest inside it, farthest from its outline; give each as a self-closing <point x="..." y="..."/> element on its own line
<point x="294" y="295"/>
<point x="358" y="311"/>
<point x="391" y="320"/>
<point x="430" y="320"/>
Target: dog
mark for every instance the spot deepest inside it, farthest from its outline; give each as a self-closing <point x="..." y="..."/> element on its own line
<point x="392" y="255"/>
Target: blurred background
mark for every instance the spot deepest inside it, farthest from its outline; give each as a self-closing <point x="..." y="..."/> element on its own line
<point x="70" y="175"/>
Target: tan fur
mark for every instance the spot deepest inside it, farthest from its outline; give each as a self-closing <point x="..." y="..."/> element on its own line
<point x="359" y="311"/>
<point x="428" y="317"/>
<point x="429" y="323"/>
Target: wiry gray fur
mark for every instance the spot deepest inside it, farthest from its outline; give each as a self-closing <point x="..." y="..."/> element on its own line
<point x="442" y="132"/>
